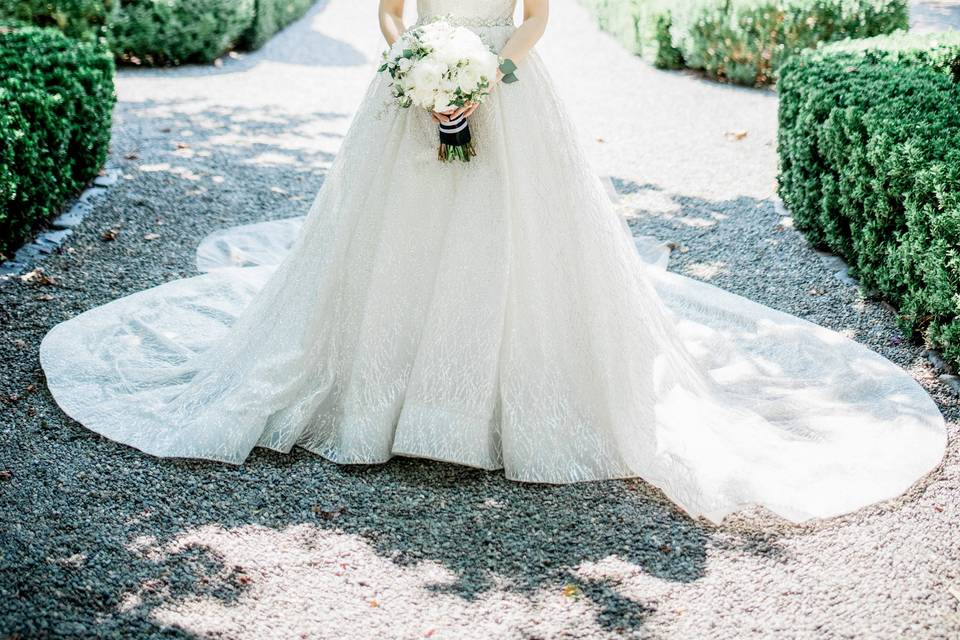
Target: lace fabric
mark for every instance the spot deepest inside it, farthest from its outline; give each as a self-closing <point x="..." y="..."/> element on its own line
<point x="496" y="314"/>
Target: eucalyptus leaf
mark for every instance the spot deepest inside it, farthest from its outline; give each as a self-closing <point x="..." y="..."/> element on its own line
<point x="507" y="67"/>
<point x="510" y="78"/>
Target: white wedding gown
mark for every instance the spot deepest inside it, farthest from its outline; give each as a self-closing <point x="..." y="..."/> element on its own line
<point x="495" y="314"/>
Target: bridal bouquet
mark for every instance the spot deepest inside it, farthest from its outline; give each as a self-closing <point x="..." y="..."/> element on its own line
<point x="439" y="67"/>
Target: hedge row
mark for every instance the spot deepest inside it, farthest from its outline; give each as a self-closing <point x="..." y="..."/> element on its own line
<point x="56" y="100"/>
<point x="270" y="16"/>
<point x="160" y="32"/>
<point x="85" y="19"/>
<point x="742" y="41"/>
<point x="869" y="149"/>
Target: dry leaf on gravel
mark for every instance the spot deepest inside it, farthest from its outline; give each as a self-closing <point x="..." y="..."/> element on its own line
<point x="37" y="276"/>
<point x="109" y="235"/>
<point x="571" y="591"/>
<point x="736" y="135"/>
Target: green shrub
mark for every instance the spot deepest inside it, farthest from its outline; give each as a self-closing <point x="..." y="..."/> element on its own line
<point x="869" y="149"/>
<point x="56" y="100"/>
<point x="162" y="32"/>
<point x="76" y="18"/>
<point x="743" y="41"/>
<point x="178" y="31"/>
<point x="270" y="16"/>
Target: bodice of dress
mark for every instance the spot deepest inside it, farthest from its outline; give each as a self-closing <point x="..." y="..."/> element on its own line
<point x="477" y="13"/>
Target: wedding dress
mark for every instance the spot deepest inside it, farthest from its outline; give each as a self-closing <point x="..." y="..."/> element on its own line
<point x="495" y="314"/>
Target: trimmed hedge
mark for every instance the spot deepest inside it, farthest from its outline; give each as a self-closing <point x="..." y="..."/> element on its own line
<point x="163" y="32"/>
<point x="160" y="32"/>
<point x="56" y="101"/>
<point x="76" y="18"/>
<point x="742" y="41"/>
<point x="869" y="149"/>
<point x="270" y="16"/>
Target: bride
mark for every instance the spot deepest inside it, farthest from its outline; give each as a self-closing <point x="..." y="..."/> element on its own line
<point x="496" y="314"/>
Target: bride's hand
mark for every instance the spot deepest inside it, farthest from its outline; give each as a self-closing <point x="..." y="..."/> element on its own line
<point x="444" y="116"/>
<point x="467" y="110"/>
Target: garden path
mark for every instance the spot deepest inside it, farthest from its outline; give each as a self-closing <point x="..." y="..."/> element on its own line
<point x="100" y="539"/>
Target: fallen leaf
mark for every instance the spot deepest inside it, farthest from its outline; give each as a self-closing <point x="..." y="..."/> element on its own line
<point x="151" y="236"/>
<point x="109" y="235"/>
<point x="601" y="140"/>
<point x="20" y="344"/>
<point x="736" y="135"/>
<point x="374" y="604"/>
<point x="37" y="276"/>
<point x="44" y="298"/>
<point x="6" y="474"/>
<point x="182" y="145"/>
<point x="429" y="633"/>
<point x="13" y="397"/>
<point x="132" y="156"/>
<point x="665" y="548"/>
<point x="938" y="508"/>
<point x="571" y="591"/>
<point x="329" y="514"/>
<point x="30" y="388"/>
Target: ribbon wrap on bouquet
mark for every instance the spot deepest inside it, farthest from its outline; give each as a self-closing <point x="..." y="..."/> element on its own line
<point x="455" y="140"/>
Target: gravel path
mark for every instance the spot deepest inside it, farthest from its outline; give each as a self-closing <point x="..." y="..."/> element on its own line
<point x="97" y="540"/>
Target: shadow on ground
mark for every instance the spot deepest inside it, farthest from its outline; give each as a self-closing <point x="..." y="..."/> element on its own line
<point x="92" y="531"/>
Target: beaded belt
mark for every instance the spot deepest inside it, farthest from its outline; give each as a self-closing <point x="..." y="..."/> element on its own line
<point x="467" y="21"/>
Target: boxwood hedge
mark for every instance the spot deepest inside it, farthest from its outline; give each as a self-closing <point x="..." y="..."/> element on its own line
<point x="163" y="32"/>
<point x="178" y="31"/>
<point x="869" y="147"/>
<point x="56" y="100"/>
<point x="76" y="18"/>
<point x="743" y="41"/>
<point x="270" y="16"/>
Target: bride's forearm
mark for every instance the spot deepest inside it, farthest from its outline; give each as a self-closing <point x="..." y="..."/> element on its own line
<point x="391" y="20"/>
<point x="535" y="15"/>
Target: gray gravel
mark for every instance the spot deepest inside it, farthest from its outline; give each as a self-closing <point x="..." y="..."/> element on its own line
<point x="97" y="540"/>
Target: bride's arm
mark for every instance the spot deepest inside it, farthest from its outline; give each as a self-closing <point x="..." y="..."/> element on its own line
<point x="535" y="15"/>
<point x="391" y="20"/>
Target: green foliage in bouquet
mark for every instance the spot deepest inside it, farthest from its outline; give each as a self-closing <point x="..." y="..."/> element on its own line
<point x="270" y="16"/>
<point x="869" y="149"/>
<point x="84" y="19"/>
<point x="56" y="101"/>
<point x="160" y="32"/>
<point x="742" y="41"/>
